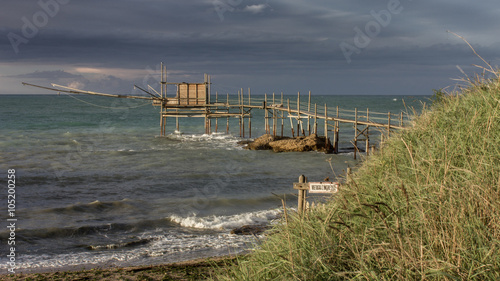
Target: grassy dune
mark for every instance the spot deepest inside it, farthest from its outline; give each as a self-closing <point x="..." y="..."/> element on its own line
<point x="425" y="207"/>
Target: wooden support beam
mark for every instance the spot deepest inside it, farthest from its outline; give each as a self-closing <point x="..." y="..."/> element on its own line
<point x="355" y="132"/>
<point x="302" y="196"/>
<point x="367" y="149"/>
<point x="389" y="125"/>
<point x="315" y="119"/>
<point x="326" y="122"/>
<point x="308" y="116"/>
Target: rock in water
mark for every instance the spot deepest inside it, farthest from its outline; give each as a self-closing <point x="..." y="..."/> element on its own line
<point x="262" y="142"/>
<point x="286" y="144"/>
<point x="249" y="230"/>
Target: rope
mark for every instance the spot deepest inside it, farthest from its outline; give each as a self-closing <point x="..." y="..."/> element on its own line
<point x="107" y="107"/>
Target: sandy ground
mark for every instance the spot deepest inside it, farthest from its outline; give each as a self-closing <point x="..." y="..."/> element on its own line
<point x="190" y="270"/>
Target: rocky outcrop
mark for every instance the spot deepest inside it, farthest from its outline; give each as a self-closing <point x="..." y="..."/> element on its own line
<point x="286" y="144"/>
<point x="249" y="230"/>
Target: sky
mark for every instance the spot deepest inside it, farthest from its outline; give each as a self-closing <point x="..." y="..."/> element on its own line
<point x="350" y="47"/>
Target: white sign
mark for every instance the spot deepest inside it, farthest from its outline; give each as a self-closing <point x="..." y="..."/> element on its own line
<point x="323" y="187"/>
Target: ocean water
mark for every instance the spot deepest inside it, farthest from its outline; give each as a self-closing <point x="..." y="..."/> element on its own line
<point x="97" y="186"/>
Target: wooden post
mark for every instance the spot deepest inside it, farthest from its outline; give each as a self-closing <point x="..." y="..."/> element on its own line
<point x="326" y="122"/>
<point x="367" y="149"/>
<point x="298" y="114"/>
<point x="161" y="122"/>
<point x="206" y="125"/>
<point x="274" y="116"/>
<point x="243" y="121"/>
<point x="239" y="120"/>
<point x="282" y="116"/>
<point x="308" y="116"/>
<point x="266" y="115"/>
<point x="315" y="119"/>
<point x="242" y="118"/>
<point x="291" y="123"/>
<point x="249" y="117"/>
<point x="355" y="132"/>
<point x="302" y="196"/>
<point x="337" y="131"/>
<point x="389" y="125"/>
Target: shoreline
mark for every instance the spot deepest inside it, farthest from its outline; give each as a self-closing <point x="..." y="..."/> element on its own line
<point x="197" y="269"/>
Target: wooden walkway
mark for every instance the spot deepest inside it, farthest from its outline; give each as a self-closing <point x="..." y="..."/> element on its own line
<point x="195" y="100"/>
<point x="304" y="118"/>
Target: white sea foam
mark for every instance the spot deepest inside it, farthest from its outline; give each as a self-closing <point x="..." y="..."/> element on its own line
<point x="215" y="140"/>
<point x="226" y="222"/>
<point x="163" y="248"/>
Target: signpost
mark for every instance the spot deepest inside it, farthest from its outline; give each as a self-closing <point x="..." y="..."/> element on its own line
<point x="313" y="187"/>
<point x="323" y="187"/>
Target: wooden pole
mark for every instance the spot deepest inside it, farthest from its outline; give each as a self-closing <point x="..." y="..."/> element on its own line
<point x="161" y="89"/>
<point x="389" y="125"/>
<point x="266" y="115"/>
<point x="274" y="116"/>
<point x="337" y="131"/>
<point x="326" y="123"/>
<point x="315" y="119"/>
<point x="161" y="123"/>
<point x="249" y="117"/>
<point x="308" y="116"/>
<point x="291" y="123"/>
<point x="298" y="115"/>
<point x="302" y="196"/>
<point x="355" y="132"/>
<point x="282" y="115"/>
<point x="367" y="149"/>
<point x="242" y="118"/>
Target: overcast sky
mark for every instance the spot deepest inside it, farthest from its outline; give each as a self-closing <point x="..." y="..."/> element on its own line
<point x="326" y="46"/>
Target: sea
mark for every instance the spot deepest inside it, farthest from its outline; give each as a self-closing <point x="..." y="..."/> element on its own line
<point x="97" y="186"/>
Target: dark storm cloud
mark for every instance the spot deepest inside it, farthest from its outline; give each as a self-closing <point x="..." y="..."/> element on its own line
<point x="263" y="44"/>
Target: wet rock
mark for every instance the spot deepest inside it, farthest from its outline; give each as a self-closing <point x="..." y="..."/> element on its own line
<point x="249" y="230"/>
<point x="262" y="142"/>
<point x="286" y="144"/>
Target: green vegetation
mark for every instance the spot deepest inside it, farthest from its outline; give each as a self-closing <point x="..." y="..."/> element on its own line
<point x="425" y="207"/>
